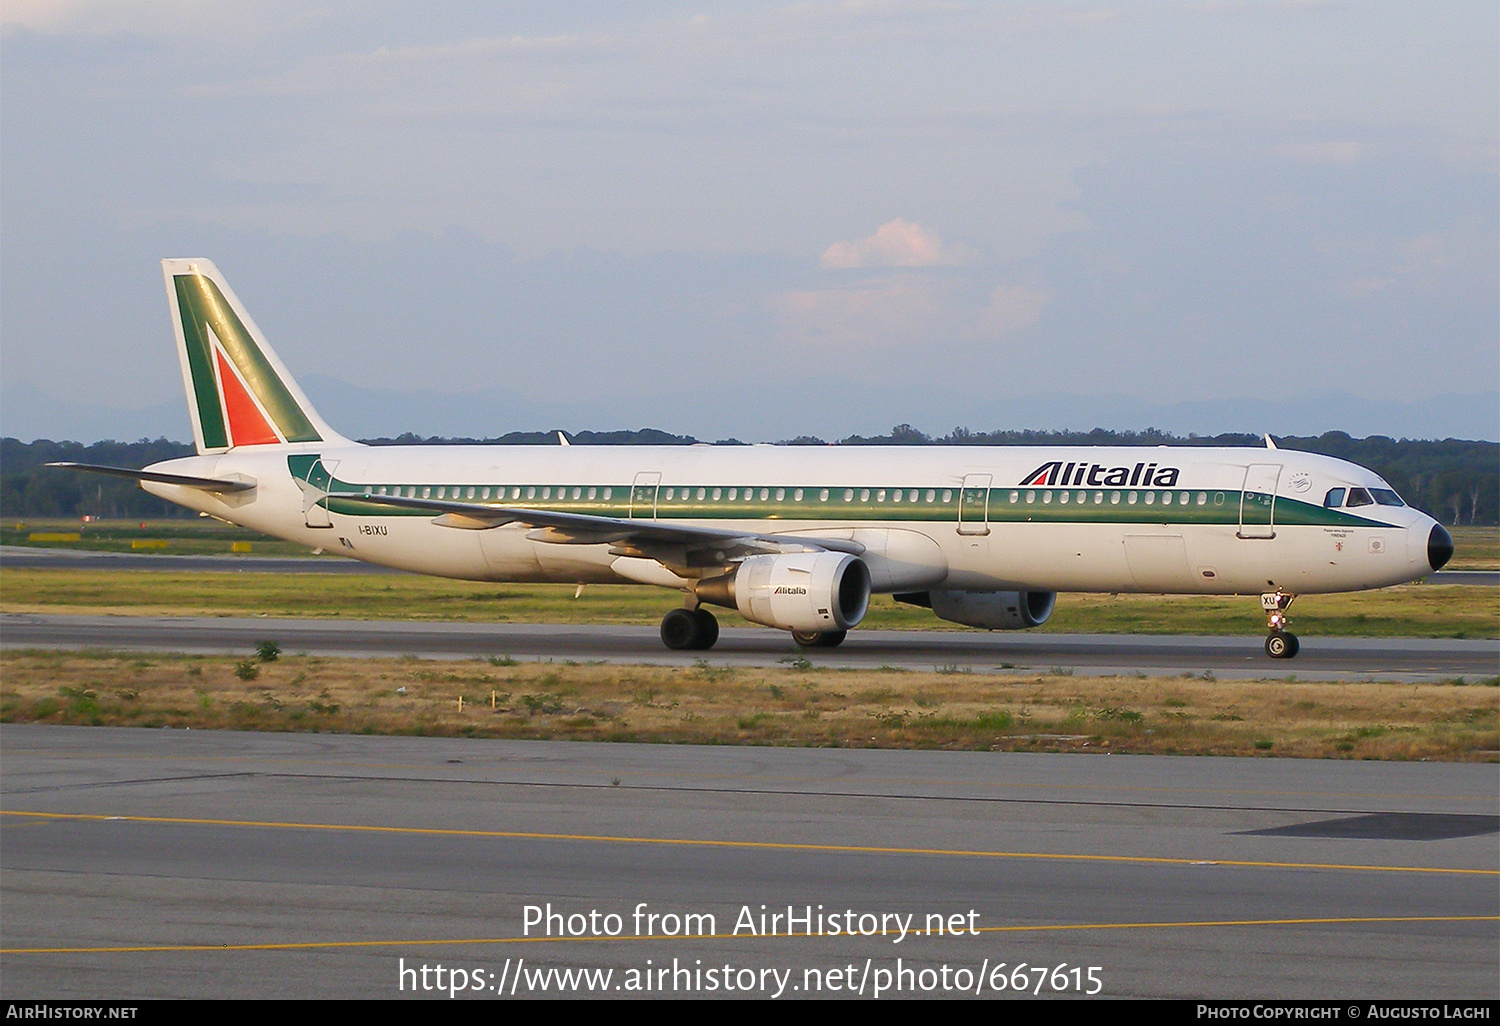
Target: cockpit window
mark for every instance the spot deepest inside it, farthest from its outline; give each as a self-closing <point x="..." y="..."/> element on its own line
<point x="1386" y="497"/>
<point x="1335" y="498"/>
<point x="1360" y="497"/>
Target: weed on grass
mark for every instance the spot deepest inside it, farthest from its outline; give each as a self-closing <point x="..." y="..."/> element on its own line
<point x="707" y="705"/>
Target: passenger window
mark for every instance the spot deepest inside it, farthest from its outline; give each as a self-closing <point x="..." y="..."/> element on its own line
<point x="1360" y="497"/>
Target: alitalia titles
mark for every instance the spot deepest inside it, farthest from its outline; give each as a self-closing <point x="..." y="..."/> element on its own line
<point x="1068" y="475"/>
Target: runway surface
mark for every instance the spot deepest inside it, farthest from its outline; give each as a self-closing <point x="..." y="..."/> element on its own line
<point x="151" y="863"/>
<point x="81" y="559"/>
<point x="1008" y="652"/>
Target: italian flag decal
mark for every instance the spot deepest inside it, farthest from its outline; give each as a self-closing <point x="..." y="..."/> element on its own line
<point x="247" y="422"/>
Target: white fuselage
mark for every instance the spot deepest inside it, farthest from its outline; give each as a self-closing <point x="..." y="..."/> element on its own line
<point x="1109" y="519"/>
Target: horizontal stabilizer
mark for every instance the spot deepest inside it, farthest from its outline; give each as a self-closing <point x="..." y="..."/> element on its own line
<point x="239" y="483"/>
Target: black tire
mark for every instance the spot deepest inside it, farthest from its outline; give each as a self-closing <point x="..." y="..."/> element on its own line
<point x="1280" y="645"/>
<point x="819" y="639"/>
<point x="1295" y="646"/>
<point x="681" y="629"/>
<point x="708" y="628"/>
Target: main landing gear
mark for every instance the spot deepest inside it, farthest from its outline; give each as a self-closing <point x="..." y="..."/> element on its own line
<point x="689" y="629"/>
<point x="696" y="629"/>
<point x="819" y="639"/>
<point x="1280" y="642"/>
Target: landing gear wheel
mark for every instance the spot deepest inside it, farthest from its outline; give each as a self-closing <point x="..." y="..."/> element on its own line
<point x="708" y="628"/>
<point x="1282" y="645"/>
<point x="689" y="629"/>
<point x="819" y="639"/>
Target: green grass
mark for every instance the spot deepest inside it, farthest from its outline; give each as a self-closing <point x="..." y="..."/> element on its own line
<point x="184" y="536"/>
<point x="1420" y="610"/>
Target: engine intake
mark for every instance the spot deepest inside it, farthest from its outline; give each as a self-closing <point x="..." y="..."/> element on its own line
<point x="798" y="591"/>
<point x="990" y="610"/>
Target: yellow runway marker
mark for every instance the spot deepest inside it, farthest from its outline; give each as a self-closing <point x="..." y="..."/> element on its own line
<point x="449" y="942"/>
<point x="693" y="842"/>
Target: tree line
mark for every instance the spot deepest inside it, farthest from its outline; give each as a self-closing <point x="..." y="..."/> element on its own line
<point x="1457" y="481"/>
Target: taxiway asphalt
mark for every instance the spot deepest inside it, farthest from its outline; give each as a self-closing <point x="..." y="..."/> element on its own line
<point x="160" y="863"/>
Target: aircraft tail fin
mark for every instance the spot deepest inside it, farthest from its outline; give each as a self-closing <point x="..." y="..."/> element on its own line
<point x="239" y="392"/>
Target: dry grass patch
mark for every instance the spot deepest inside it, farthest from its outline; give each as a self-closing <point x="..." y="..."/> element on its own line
<point x="785" y="705"/>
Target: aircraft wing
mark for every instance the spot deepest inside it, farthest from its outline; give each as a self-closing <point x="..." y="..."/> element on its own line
<point x="670" y="544"/>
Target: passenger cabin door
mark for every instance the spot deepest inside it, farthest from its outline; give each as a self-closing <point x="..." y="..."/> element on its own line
<point x="974" y="504"/>
<point x="1258" y="501"/>
<point x="643" y="495"/>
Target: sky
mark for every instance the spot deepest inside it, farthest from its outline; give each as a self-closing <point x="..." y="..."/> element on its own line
<point x="763" y="220"/>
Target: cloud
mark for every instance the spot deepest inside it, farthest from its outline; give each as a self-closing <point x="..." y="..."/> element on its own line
<point x="875" y="314"/>
<point x="896" y="243"/>
<point x="1012" y="307"/>
<point x="1329" y="151"/>
<point x="906" y="312"/>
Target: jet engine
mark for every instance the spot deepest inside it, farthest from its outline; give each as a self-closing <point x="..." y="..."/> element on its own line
<point x="798" y="591"/>
<point x="991" y="610"/>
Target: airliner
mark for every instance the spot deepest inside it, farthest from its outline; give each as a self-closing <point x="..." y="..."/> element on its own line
<point x="795" y="538"/>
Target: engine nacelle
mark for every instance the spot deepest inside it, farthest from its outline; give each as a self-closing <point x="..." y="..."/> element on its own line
<point x="990" y="610"/>
<point x="797" y="591"/>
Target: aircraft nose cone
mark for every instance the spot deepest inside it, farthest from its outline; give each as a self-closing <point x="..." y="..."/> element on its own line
<point x="1439" y="547"/>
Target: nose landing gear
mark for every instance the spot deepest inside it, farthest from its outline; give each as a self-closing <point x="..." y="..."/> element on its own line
<point x="1280" y="642"/>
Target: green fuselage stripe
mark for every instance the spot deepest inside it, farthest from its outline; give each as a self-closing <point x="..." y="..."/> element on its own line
<point x="998" y="506"/>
